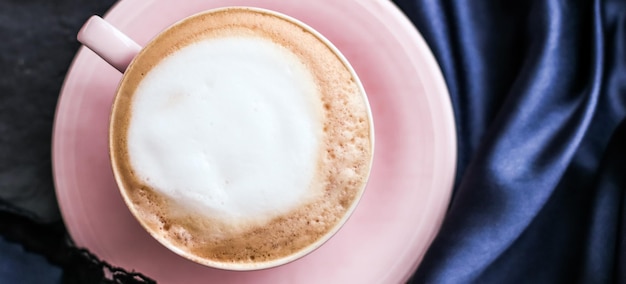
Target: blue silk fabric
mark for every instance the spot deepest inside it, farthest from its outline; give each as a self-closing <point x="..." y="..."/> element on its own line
<point x="538" y="89"/>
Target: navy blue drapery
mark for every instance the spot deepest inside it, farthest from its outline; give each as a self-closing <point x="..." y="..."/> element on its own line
<point x="539" y="94"/>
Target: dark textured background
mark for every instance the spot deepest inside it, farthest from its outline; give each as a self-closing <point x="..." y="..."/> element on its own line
<point x="37" y="44"/>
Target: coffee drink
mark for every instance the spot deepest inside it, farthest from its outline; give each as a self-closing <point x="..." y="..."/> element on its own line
<point x="240" y="138"/>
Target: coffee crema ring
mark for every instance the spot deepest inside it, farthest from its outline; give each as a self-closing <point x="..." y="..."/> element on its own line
<point x="307" y="147"/>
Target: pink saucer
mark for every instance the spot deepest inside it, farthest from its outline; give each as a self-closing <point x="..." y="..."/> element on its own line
<point x="411" y="181"/>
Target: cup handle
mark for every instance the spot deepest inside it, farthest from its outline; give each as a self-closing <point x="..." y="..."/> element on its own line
<point x="108" y="42"/>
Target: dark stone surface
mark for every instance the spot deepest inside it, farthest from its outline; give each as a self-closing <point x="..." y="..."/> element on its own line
<point x="38" y="42"/>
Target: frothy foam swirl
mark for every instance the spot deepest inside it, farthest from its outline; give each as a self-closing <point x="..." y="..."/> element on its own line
<point x="240" y="139"/>
<point x="234" y="135"/>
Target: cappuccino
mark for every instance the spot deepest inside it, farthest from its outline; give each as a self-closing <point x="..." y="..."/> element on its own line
<point x="240" y="138"/>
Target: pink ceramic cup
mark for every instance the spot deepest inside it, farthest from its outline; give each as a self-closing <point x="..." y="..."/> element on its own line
<point x="120" y="51"/>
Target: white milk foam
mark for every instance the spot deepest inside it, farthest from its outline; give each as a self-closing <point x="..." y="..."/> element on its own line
<point x="228" y="127"/>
